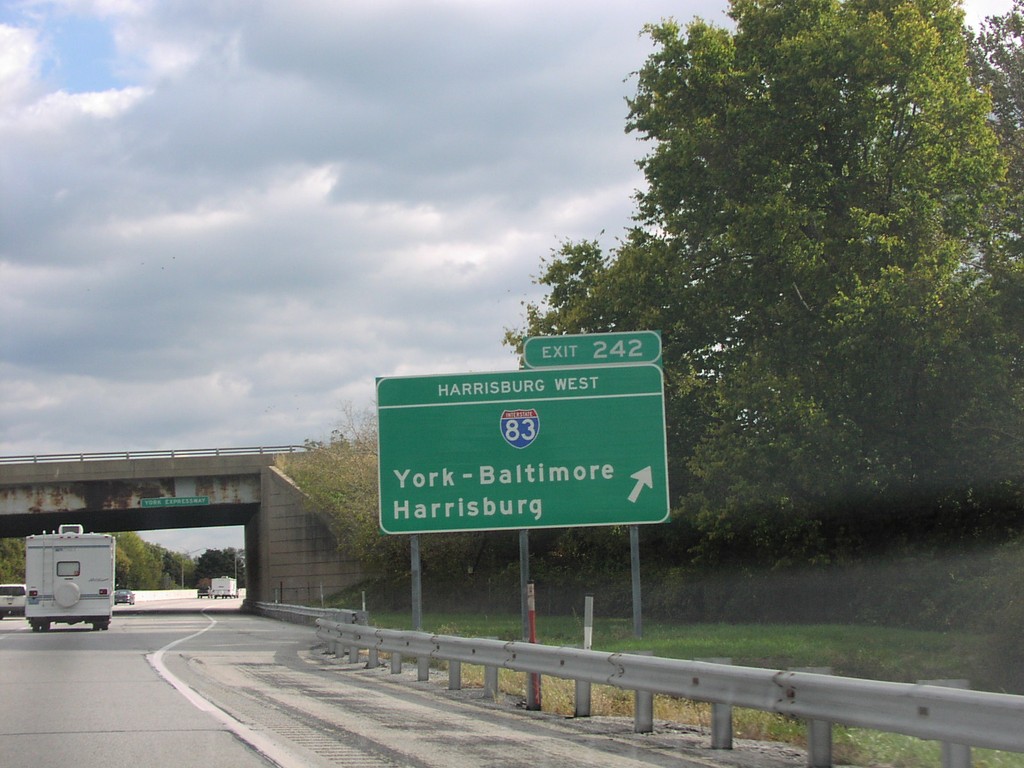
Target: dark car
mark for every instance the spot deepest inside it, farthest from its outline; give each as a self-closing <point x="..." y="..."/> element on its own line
<point x="203" y="590"/>
<point x="124" y="596"/>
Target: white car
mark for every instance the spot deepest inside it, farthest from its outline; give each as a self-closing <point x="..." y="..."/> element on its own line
<point x="12" y="600"/>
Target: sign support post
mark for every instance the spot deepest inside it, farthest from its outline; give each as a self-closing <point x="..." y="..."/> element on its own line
<point x="422" y="662"/>
<point x="417" y="583"/>
<point x="634" y="559"/>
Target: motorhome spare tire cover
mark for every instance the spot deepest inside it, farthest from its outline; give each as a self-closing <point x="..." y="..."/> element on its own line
<point x="66" y="594"/>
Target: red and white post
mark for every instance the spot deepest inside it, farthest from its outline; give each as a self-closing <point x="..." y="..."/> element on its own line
<point x="533" y="696"/>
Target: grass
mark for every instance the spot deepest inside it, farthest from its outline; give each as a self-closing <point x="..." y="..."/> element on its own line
<point x="870" y="652"/>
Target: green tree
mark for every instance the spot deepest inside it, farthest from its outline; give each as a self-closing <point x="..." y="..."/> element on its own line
<point x="215" y="563"/>
<point x="139" y="564"/>
<point x="12" y="560"/>
<point x="178" y="570"/>
<point x="997" y="60"/>
<point x="997" y="64"/>
<point x="820" y="181"/>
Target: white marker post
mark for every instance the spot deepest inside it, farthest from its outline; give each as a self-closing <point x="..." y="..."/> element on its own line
<point x="583" y="686"/>
<point x="588" y="622"/>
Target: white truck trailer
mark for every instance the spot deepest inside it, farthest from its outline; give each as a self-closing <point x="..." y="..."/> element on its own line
<point x="69" y="576"/>
<point x="225" y="586"/>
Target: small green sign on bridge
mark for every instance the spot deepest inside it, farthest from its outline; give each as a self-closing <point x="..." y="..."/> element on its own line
<point x="175" y="501"/>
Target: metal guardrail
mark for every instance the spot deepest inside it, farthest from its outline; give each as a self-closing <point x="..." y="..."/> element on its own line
<point x="953" y="716"/>
<point x="166" y="454"/>
<point x="300" y="614"/>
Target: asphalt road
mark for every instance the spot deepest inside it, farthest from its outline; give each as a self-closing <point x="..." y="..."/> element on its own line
<point x="75" y="697"/>
<point x="196" y="683"/>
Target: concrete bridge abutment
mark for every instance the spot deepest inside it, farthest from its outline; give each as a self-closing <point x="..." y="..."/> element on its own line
<point x="298" y="554"/>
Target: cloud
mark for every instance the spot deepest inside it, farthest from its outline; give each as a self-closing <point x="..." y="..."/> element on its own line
<point x="220" y="221"/>
<point x="18" y="53"/>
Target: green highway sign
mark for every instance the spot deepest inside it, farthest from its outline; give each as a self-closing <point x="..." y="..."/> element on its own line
<point x="619" y="348"/>
<point x="176" y="501"/>
<point x="545" y="448"/>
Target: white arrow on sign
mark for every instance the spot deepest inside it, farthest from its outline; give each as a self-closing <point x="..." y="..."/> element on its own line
<point x="645" y="477"/>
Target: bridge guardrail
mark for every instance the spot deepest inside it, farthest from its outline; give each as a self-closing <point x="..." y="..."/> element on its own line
<point x="953" y="716"/>
<point x="159" y="454"/>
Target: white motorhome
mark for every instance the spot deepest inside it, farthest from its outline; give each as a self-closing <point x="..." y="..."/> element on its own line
<point x="225" y="586"/>
<point x="69" y="576"/>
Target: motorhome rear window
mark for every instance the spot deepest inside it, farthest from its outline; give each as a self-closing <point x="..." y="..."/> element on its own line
<point x="69" y="568"/>
<point x="12" y="590"/>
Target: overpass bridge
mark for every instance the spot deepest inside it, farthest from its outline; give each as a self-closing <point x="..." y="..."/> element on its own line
<point x="291" y="554"/>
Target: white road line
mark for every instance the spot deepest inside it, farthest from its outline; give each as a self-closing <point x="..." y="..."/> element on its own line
<point x="264" y="745"/>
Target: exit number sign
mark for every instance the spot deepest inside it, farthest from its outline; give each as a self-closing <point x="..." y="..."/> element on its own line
<point x="629" y="347"/>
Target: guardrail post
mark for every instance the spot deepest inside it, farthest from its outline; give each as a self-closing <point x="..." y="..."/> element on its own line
<point x="953" y="755"/>
<point x="491" y="682"/>
<point x="819" y="744"/>
<point x="454" y="675"/>
<point x="396" y="663"/>
<point x="721" y="715"/>
<point x="350" y="617"/>
<point x="721" y="726"/>
<point x="582" y="698"/>
<point x="423" y="668"/>
<point x="490" y="677"/>
<point x="819" y="732"/>
<point x="643" y="711"/>
<point x="373" y="658"/>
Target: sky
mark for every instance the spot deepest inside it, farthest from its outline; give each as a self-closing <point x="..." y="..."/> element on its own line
<point x="221" y="220"/>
